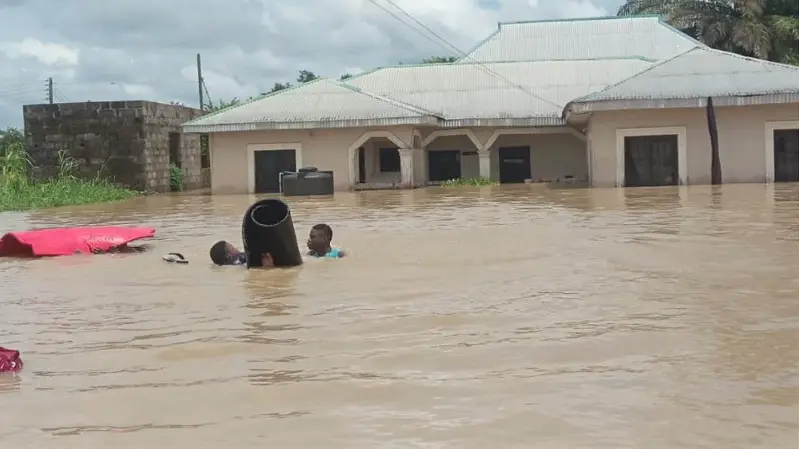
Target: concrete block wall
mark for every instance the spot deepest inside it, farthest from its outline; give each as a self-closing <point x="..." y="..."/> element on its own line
<point x="127" y="141"/>
<point x="161" y="120"/>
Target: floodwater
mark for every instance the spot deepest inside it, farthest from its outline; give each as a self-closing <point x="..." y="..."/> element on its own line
<point x="495" y="317"/>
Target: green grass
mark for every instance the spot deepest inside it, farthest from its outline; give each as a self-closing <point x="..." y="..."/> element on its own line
<point x="19" y="193"/>
<point x="460" y="182"/>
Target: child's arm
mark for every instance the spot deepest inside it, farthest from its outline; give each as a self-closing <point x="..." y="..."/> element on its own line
<point x="266" y="260"/>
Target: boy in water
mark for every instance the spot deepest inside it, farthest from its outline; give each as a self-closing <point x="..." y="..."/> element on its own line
<point x="319" y="242"/>
<point x="223" y="253"/>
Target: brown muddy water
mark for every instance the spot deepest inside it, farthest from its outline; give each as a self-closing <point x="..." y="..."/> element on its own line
<point x="494" y="317"/>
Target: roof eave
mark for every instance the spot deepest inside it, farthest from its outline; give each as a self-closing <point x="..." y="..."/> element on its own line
<point x="590" y="106"/>
<point x="541" y="121"/>
<point x="193" y="128"/>
<point x="532" y="121"/>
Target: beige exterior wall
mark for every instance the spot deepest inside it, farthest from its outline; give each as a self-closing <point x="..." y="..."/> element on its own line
<point x="230" y="160"/>
<point x="323" y="149"/>
<point x="553" y="155"/>
<point x="743" y="140"/>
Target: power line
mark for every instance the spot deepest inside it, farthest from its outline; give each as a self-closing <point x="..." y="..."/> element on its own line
<point x="20" y="91"/>
<point x="456" y="49"/>
<point x="15" y="87"/>
<point x="209" y="103"/>
<point x="30" y="98"/>
<point x="61" y="97"/>
<point x="374" y="2"/>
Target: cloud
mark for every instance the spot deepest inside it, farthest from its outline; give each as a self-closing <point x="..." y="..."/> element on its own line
<point x="47" y="53"/>
<point x="145" y="49"/>
<point x="580" y="9"/>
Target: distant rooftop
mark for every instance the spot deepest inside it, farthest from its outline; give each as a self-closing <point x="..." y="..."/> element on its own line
<point x="592" y="38"/>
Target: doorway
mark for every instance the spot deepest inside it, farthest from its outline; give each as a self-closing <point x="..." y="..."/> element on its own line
<point x="651" y="160"/>
<point x="785" y="148"/>
<point x="362" y="165"/>
<point x="268" y="164"/>
<point x="515" y="164"/>
<point x="444" y="165"/>
<point x="175" y="163"/>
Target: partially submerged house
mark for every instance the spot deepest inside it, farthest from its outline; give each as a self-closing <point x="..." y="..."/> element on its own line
<point x="613" y="101"/>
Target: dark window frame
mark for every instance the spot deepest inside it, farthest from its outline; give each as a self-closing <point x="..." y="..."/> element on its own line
<point x="389" y="160"/>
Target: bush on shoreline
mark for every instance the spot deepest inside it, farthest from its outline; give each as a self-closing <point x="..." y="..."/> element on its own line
<point x="460" y="182"/>
<point x="19" y="193"/>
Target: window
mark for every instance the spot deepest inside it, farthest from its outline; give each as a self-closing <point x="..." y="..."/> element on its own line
<point x="389" y="160"/>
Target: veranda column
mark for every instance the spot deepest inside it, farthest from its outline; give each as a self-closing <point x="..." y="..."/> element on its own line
<point x="352" y="157"/>
<point x="408" y="163"/>
<point x="485" y="164"/>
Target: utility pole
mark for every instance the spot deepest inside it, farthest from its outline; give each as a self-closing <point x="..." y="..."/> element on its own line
<point x="200" y="81"/>
<point x="50" y="90"/>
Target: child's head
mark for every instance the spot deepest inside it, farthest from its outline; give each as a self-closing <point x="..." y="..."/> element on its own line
<point x="319" y="239"/>
<point x="221" y="252"/>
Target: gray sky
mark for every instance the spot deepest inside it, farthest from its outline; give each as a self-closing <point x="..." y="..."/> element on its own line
<point x="145" y="49"/>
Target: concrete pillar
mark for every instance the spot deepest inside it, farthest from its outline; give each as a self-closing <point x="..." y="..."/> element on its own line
<point x="485" y="163"/>
<point x="352" y="158"/>
<point x="410" y="159"/>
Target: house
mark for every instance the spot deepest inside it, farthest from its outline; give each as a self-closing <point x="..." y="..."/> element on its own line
<point x="612" y="101"/>
<point x="134" y="143"/>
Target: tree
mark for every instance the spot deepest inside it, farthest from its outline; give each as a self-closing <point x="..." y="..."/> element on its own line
<point x="279" y="87"/>
<point x="10" y="136"/>
<point x="304" y="76"/>
<point x="766" y="29"/>
<point x="345" y="76"/>
<point x="222" y="104"/>
<point x="439" y="59"/>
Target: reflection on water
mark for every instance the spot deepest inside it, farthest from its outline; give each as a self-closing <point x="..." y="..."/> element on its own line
<point x="500" y="316"/>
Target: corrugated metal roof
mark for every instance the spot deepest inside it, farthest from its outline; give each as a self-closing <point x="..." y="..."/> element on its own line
<point x="319" y="104"/>
<point x="607" y="37"/>
<point x="702" y="72"/>
<point x="496" y="91"/>
<point x="566" y="60"/>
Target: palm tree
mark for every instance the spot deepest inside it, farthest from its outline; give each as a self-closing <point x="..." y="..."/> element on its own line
<point x="764" y="29"/>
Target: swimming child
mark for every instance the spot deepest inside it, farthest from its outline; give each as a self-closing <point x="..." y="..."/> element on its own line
<point x="223" y="253"/>
<point x="319" y="242"/>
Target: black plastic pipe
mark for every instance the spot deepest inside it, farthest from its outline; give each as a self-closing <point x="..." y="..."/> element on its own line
<point x="268" y="228"/>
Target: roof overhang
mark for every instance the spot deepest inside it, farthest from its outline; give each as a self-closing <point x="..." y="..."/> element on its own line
<point x="541" y="121"/>
<point x="308" y="125"/>
<point x="581" y="108"/>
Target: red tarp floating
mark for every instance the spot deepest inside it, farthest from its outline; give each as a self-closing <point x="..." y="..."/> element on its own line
<point x="10" y="361"/>
<point x="68" y="241"/>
